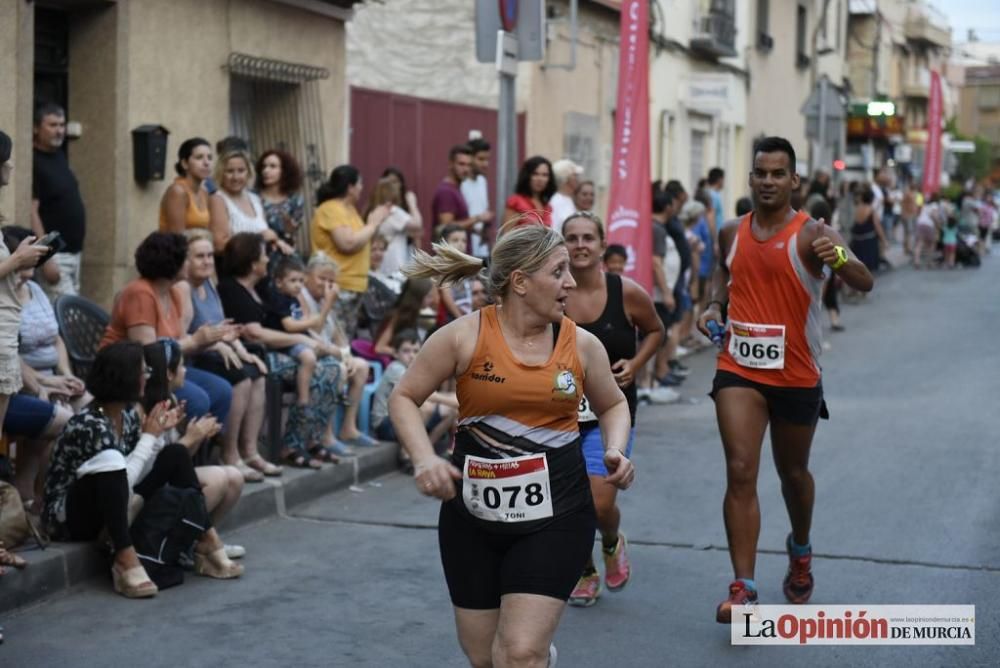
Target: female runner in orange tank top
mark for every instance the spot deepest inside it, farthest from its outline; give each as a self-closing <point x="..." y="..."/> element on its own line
<point x="517" y="521"/>
<point x="771" y="271"/>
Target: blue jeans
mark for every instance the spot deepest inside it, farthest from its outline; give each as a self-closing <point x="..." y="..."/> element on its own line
<point x="205" y="393"/>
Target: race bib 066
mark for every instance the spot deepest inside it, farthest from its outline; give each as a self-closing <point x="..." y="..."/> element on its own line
<point x="507" y="490"/>
<point x="757" y="346"/>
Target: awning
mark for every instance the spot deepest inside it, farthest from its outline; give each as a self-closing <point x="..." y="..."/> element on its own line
<point x="245" y="65"/>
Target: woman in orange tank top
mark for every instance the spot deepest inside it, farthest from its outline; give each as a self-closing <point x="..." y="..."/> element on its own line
<point x="185" y="203"/>
<point x="517" y="523"/>
<point x="771" y="278"/>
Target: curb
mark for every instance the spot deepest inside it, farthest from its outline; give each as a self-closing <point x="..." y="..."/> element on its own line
<point x="63" y="565"/>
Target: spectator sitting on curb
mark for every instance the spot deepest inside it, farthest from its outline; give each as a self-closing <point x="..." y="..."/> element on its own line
<point x="221" y="485"/>
<point x="439" y="411"/>
<point x="99" y="460"/>
<point x="321" y="272"/>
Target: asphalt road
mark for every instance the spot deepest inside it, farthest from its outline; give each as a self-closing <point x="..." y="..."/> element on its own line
<point x="907" y="512"/>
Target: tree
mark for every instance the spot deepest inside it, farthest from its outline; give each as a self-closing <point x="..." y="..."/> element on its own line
<point x="975" y="165"/>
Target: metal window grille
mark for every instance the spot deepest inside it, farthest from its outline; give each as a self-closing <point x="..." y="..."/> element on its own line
<point x="275" y="104"/>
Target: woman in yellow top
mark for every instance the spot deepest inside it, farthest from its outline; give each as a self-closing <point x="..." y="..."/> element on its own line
<point x="338" y="230"/>
<point x="185" y="203"/>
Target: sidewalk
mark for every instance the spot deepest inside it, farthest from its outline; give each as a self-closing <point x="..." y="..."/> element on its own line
<point x="63" y="565"/>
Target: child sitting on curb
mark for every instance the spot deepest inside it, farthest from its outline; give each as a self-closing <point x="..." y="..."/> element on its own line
<point x="439" y="411"/>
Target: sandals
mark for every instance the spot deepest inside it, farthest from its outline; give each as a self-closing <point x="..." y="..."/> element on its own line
<point x="216" y="565"/>
<point x="260" y="464"/>
<point x="362" y="440"/>
<point x="325" y="454"/>
<point x="300" y="459"/>
<point x="250" y="474"/>
<point x="11" y="559"/>
<point x="133" y="583"/>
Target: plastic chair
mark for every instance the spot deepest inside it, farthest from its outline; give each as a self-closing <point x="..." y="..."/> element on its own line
<point x="365" y="408"/>
<point x="81" y="324"/>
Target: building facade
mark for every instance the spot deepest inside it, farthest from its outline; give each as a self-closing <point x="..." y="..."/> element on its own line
<point x="792" y="46"/>
<point x="894" y="47"/>
<point x="271" y="71"/>
<point x="417" y="89"/>
<point x="698" y="94"/>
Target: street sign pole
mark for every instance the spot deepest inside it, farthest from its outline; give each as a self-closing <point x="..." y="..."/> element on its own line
<point x="507" y="59"/>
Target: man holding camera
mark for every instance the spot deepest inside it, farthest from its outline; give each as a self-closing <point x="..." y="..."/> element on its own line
<point x="56" y="205"/>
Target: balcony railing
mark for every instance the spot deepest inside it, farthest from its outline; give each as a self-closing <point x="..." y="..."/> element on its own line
<point x="921" y="26"/>
<point x="715" y="30"/>
<point x="918" y="84"/>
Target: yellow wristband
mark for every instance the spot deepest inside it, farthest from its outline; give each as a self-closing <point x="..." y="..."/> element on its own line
<point x="842" y="258"/>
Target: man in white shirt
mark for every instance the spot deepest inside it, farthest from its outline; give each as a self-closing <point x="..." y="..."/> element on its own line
<point x="477" y="197"/>
<point x="567" y="174"/>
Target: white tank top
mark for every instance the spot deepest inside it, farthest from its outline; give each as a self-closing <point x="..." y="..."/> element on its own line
<point x="240" y="221"/>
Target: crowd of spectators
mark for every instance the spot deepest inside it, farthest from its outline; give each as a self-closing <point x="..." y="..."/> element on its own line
<point x="234" y="288"/>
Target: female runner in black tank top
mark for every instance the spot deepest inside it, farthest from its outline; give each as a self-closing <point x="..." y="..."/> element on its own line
<point x="618" y="312"/>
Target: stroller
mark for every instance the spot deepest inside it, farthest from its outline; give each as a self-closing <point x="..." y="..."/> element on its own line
<point x="965" y="252"/>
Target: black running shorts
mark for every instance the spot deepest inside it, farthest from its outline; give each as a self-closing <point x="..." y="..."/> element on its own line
<point x="798" y="405"/>
<point x="481" y="566"/>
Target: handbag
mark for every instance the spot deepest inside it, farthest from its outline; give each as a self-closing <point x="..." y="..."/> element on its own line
<point x="14" y="524"/>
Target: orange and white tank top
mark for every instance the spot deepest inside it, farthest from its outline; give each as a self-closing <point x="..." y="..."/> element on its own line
<point x="518" y="443"/>
<point x="512" y="401"/>
<point x="774" y="333"/>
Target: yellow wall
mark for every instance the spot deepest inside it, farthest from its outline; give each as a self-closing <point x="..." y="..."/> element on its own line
<point x="587" y="89"/>
<point x="152" y="62"/>
<point x="17" y="26"/>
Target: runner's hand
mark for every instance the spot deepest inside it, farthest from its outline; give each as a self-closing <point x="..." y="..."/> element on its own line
<point x="624" y="372"/>
<point x="711" y="313"/>
<point x="436" y="477"/>
<point x="823" y="247"/>
<point x="621" y="472"/>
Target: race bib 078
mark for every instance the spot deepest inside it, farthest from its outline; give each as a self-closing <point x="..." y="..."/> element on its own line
<point x="584" y="413"/>
<point x="757" y="346"/>
<point x="507" y="490"/>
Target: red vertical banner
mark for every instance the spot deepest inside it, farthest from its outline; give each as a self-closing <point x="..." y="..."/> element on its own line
<point x="932" y="156"/>
<point x="630" y="204"/>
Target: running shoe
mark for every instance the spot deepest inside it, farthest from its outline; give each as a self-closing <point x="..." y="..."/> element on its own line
<point x="587" y="590"/>
<point x="739" y="594"/>
<point x="664" y="395"/>
<point x="679" y="369"/>
<point x="798" y="584"/>
<point x="617" y="567"/>
<point x="670" y="380"/>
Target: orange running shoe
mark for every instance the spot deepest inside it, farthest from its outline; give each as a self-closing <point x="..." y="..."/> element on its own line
<point x="739" y="594"/>
<point x="798" y="584"/>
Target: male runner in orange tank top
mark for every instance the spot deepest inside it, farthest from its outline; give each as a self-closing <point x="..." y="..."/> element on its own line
<point x="770" y="275"/>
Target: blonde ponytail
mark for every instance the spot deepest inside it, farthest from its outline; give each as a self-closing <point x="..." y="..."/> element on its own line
<point x="447" y="266"/>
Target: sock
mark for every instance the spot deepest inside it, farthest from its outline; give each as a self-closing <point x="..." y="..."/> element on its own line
<point x="609" y="549"/>
<point x="748" y="583"/>
<point x="798" y="550"/>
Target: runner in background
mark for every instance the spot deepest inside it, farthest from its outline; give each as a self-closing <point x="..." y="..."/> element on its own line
<point x="619" y="312"/>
